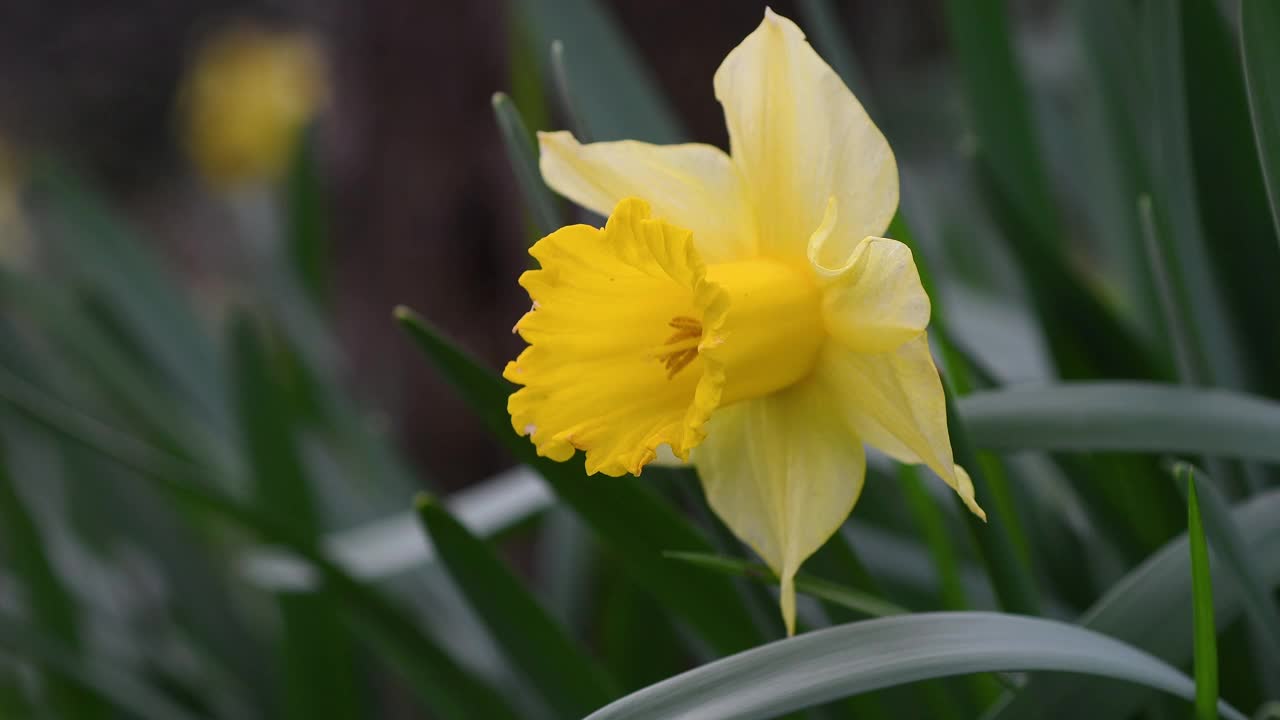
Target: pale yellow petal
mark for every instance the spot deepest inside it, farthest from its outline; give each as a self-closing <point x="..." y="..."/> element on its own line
<point x="874" y="301"/>
<point x="800" y="137"/>
<point x="894" y="402"/>
<point x="691" y="185"/>
<point x="783" y="472"/>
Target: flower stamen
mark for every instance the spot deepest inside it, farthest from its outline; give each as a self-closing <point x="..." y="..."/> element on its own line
<point x="682" y="347"/>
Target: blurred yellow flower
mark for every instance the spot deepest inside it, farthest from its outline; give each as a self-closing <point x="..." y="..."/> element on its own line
<point x="761" y="323"/>
<point x="248" y="94"/>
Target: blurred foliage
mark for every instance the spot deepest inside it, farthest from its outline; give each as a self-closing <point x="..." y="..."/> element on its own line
<point x="199" y="520"/>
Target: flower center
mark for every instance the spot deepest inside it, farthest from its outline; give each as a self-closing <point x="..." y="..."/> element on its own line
<point x="682" y="347"/>
<point x="771" y="335"/>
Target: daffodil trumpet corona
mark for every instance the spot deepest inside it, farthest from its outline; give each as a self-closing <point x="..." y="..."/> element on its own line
<point x="740" y="309"/>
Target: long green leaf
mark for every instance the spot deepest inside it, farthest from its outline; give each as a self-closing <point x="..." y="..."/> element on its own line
<point x="625" y="512"/>
<point x="1259" y="28"/>
<point x="1230" y="548"/>
<point x="307" y="222"/>
<point x="522" y="156"/>
<point x="1206" y="633"/>
<point x="441" y="685"/>
<point x="614" y="91"/>
<point x="850" y="659"/>
<point x="1128" y="416"/>
<point x="1141" y="609"/>
<point x="319" y="669"/>
<point x="566" y="677"/>
<point x="50" y="607"/>
<point x="996" y="539"/>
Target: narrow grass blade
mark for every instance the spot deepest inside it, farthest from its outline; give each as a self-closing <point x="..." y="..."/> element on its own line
<point x="1171" y="302"/>
<point x="932" y="523"/>
<point x="523" y="157"/>
<point x="103" y="682"/>
<point x="1259" y="28"/>
<point x="625" y="512"/>
<point x="1231" y="550"/>
<point x="1132" y="417"/>
<point x="855" y="600"/>
<point x="441" y="684"/>
<point x="1206" y="632"/>
<point x="1010" y="576"/>
<point x="615" y="91"/>
<point x="566" y="677"/>
<point x="1141" y="608"/>
<point x="851" y="659"/>
<point x="319" y="670"/>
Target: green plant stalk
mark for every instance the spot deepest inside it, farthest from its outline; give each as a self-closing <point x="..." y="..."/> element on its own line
<point x="522" y="156"/>
<point x="1259" y="27"/>
<point x="1012" y="580"/>
<point x="565" y="676"/>
<point x="1206" y="633"/>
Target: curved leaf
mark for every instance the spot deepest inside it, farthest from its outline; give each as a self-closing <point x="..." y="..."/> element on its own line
<point x="816" y="667"/>
<point x="1128" y="416"/>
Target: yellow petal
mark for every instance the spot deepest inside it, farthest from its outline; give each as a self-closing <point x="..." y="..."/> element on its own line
<point x="800" y="137"/>
<point x="607" y="306"/>
<point x="874" y="302"/>
<point x="783" y="472"/>
<point x="693" y="186"/>
<point x="894" y="402"/>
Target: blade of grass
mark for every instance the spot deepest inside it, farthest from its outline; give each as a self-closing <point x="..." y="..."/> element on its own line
<point x="566" y="677"/>
<point x="1230" y="549"/>
<point x="1206" y="633"/>
<point x="842" y="661"/>
<point x="1259" y="28"/>
<point x="440" y="683"/>
<point x="624" y="512"/>
<point x="863" y="604"/>
<point x="522" y="155"/>
<point x="564" y="93"/>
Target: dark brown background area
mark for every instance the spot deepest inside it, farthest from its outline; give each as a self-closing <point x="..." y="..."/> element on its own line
<point x="425" y="210"/>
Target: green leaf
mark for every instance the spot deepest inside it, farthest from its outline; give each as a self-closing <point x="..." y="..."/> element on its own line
<point x="1230" y="548"/>
<point x="51" y="608"/>
<point x="442" y="686"/>
<point x="522" y="155"/>
<point x="1206" y="633"/>
<point x="319" y="669"/>
<point x="615" y="92"/>
<point x="133" y="698"/>
<point x="850" y="659"/>
<point x="1259" y="28"/>
<point x="1010" y="577"/>
<point x="1141" y="608"/>
<point x="625" y="512"/>
<point x="307" y="230"/>
<point x="855" y="600"/>
<point x="1128" y="416"/>
<point x="566" y="677"/>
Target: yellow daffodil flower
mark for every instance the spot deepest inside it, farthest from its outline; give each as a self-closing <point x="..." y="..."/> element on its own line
<point x="248" y="95"/>
<point x="738" y="308"/>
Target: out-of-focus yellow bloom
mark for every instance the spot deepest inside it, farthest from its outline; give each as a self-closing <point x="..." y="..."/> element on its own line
<point x="761" y="323"/>
<point x="249" y="92"/>
<point x="13" y="232"/>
